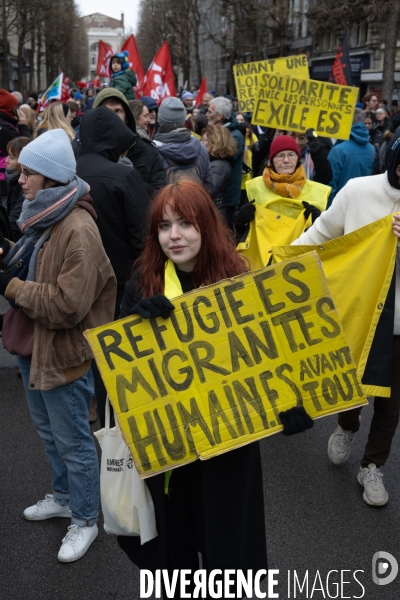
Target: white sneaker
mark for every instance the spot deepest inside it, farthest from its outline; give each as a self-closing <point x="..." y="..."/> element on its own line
<point x="339" y="445"/>
<point x="46" y="509"/>
<point x="374" y="491"/>
<point x="77" y="542"/>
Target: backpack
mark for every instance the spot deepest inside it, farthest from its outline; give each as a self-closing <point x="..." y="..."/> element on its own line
<point x="178" y="172"/>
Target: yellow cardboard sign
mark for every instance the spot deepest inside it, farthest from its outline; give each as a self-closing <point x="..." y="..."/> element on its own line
<point x="298" y="104"/>
<point x="217" y="373"/>
<point x="248" y="76"/>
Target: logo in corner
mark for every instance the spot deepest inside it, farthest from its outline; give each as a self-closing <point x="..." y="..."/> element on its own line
<point x="384" y="564"/>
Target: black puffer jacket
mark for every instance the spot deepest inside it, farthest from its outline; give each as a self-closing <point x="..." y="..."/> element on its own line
<point x="142" y="153"/>
<point x="119" y="194"/>
<point x="221" y="171"/>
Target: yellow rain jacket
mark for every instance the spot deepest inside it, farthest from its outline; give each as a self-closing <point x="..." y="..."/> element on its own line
<point x="278" y="221"/>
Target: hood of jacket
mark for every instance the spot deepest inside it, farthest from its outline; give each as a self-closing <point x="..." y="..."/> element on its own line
<point x="359" y="134"/>
<point x="103" y="132"/>
<point x="149" y="102"/>
<point x="109" y="93"/>
<point x="178" y="146"/>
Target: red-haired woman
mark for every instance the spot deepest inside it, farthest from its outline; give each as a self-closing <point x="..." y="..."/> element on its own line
<point x="216" y="506"/>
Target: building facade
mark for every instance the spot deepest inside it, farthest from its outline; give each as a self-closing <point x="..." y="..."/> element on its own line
<point x="292" y="35"/>
<point x="101" y="27"/>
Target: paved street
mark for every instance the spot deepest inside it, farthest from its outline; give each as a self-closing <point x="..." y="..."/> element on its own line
<point x="315" y="517"/>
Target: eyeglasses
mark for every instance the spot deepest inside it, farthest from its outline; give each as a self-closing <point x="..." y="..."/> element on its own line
<point x="28" y="174"/>
<point x="282" y="155"/>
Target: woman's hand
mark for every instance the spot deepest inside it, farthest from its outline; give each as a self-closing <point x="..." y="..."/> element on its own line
<point x="295" y="420"/>
<point x="311" y="210"/>
<point x="245" y="214"/>
<point x="396" y="225"/>
<point x="156" y="306"/>
<point x="22" y="118"/>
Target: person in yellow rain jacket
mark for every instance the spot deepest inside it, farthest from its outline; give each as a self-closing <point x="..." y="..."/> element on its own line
<point x="282" y="188"/>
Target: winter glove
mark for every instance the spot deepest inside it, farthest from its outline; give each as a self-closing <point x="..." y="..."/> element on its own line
<point x="311" y="134"/>
<point x="5" y="279"/>
<point x="4" y="244"/>
<point x="245" y="214"/>
<point x="156" y="306"/>
<point x="295" y="420"/>
<point x="311" y="210"/>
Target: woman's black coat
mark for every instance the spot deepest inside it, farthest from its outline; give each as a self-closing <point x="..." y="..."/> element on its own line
<point x="215" y="506"/>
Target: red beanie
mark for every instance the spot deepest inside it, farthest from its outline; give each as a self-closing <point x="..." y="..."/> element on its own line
<point x="7" y="103"/>
<point x="281" y="143"/>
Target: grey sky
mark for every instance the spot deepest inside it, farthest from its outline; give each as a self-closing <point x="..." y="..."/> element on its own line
<point x="128" y="7"/>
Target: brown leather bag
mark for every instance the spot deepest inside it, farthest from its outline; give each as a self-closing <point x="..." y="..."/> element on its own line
<point x="18" y="332"/>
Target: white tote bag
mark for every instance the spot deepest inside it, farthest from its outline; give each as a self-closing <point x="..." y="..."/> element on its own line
<point x="126" y="502"/>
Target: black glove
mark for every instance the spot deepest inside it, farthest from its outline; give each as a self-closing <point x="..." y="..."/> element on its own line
<point x="295" y="420"/>
<point x="156" y="306"/>
<point x="4" y="244"/>
<point x="311" y="134"/>
<point x="311" y="210"/>
<point x="245" y="214"/>
<point x="5" y="279"/>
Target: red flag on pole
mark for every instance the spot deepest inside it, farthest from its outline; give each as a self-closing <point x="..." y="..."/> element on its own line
<point x="202" y="91"/>
<point x="341" y="70"/>
<point x="159" y="81"/>
<point x="134" y="59"/>
<point x="103" y="59"/>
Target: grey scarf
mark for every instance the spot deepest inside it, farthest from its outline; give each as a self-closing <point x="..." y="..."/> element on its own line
<point x="48" y="207"/>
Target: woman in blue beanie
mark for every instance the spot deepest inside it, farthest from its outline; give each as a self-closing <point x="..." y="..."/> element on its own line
<point x="59" y="282"/>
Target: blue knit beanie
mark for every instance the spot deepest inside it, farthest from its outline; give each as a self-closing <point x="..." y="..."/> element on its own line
<point x="51" y="155"/>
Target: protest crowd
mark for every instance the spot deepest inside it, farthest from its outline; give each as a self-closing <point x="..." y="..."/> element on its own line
<point x="113" y="204"/>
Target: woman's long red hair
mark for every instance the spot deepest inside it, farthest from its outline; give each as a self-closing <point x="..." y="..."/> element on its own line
<point x="217" y="259"/>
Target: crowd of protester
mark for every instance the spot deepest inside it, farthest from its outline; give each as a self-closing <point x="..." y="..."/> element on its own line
<point x="84" y="187"/>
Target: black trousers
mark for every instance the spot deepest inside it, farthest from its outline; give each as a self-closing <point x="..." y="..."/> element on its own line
<point x="385" y="418"/>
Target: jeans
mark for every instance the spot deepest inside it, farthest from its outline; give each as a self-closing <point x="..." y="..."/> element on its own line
<point x="61" y="418"/>
<point x="385" y="418"/>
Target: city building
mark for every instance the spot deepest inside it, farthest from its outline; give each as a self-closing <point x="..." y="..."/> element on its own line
<point x="101" y="27"/>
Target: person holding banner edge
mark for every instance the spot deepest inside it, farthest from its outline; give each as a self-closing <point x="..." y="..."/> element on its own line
<point x="360" y="202"/>
<point x="215" y="506"/>
<point x="283" y="188"/>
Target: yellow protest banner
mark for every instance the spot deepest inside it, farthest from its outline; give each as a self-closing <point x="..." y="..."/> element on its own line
<point x="359" y="268"/>
<point x="248" y="76"/>
<point x="297" y="104"/>
<point x="217" y="373"/>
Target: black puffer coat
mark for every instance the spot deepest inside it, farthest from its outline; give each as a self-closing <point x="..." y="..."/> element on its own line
<point x="119" y="194"/>
<point x="142" y="153"/>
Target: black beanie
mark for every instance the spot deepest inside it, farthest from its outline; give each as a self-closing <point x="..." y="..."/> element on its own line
<point x="392" y="162"/>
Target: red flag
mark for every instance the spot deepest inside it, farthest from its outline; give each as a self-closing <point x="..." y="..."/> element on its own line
<point x="65" y="89"/>
<point x="202" y="91"/>
<point x="134" y="59"/>
<point x="159" y="81"/>
<point x="341" y="70"/>
<point x="103" y="59"/>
